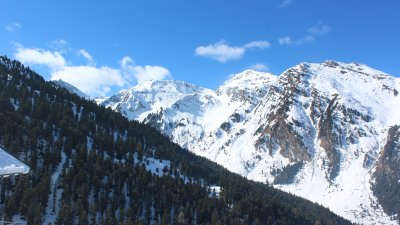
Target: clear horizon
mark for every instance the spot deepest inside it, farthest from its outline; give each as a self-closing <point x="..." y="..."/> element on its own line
<point x="104" y="47"/>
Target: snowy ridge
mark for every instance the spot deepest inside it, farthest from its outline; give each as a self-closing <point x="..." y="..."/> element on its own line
<point x="317" y="130"/>
<point x="69" y="87"/>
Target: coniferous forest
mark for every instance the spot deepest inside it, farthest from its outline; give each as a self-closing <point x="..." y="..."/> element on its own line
<point x="90" y="165"/>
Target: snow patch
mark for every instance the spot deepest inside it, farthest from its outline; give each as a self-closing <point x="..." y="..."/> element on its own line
<point x="53" y="204"/>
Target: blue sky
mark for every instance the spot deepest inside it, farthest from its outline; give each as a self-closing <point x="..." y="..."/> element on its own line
<point x="104" y="46"/>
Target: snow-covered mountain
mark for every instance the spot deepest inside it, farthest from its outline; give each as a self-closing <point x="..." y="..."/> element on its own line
<point x="69" y="87"/>
<point x="327" y="132"/>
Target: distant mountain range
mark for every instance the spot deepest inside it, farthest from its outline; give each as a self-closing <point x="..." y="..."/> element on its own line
<point x="328" y="132"/>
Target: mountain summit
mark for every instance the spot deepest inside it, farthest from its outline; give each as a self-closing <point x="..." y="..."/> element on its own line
<point x="326" y="131"/>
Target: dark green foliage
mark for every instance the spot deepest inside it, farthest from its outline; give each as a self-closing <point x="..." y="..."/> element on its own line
<point x="104" y="179"/>
<point x="287" y="174"/>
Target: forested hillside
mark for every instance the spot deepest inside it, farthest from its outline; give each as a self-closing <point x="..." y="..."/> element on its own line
<point x="90" y="165"/>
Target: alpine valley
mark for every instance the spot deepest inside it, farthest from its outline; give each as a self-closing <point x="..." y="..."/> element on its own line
<point x="328" y="132"/>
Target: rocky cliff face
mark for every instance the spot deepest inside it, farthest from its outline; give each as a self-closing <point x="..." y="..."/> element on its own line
<point x="387" y="174"/>
<point x="317" y="130"/>
<point x="279" y="131"/>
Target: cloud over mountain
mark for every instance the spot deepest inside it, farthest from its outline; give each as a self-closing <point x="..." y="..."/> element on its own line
<point x="93" y="80"/>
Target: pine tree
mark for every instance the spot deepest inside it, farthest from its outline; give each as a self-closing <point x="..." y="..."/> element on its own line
<point x="11" y="208"/>
<point x="166" y="219"/>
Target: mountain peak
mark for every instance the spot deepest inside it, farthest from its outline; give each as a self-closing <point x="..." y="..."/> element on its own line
<point x="334" y="70"/>
<point x="248" y="79"/>
<point x="249" y="75"/>
<point x="69" y="87"/>
<point x="165" y="86"/>
<point x="351" y="67"/>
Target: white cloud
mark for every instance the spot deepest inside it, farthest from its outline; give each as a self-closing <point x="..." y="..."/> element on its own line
<point x="12" y="27"/>
<point x="319" y="29"/>
<point x="259" y="67"/>
<point x="94" y="81"/>
<point x="306" y="39"/>
<point x="223" y="52"/>
<point x="286" y="3"/>
<point x="142" y="73"/>
<point x="38" y="56"/>
<point x="289" y="41"/>
<point x="90" y="79"/>
<point x="220" y="51"/>
<point x="60" y="45"/>
<point x="285" y="40"/>
<point x="150" y="73"/>
<point x="87" y="56"/>
<point x="257" y="44"/>
<point x="128" y="68"/>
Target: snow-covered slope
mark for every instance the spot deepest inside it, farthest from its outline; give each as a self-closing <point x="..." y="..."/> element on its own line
<point x="10" y="165"/>
<point x="317" y="130"/>
<point x="72" y="89"/>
